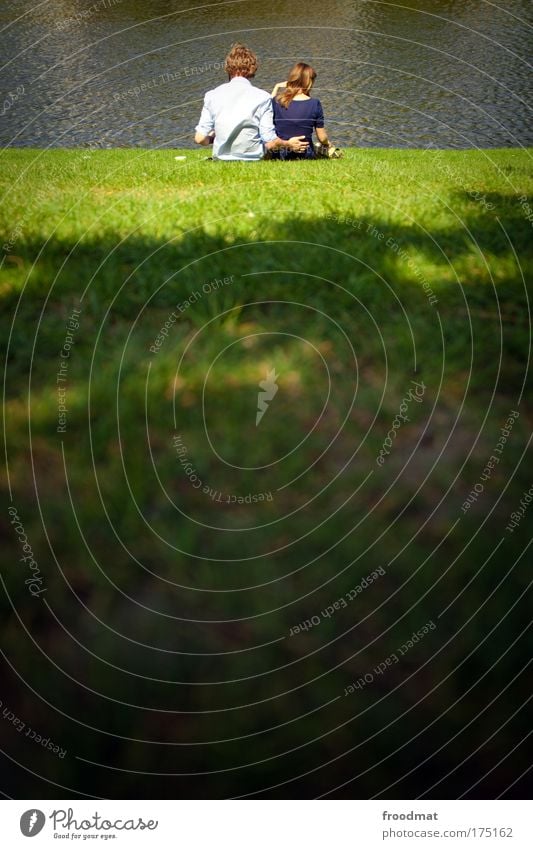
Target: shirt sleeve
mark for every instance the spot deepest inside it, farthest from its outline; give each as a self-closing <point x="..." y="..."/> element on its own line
<point x="206" y="124"/>
<point x="265" y="114"/>
<point x="319" y="116"/>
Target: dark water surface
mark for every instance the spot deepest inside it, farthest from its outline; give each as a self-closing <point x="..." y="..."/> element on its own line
<point x="450" y="72"/>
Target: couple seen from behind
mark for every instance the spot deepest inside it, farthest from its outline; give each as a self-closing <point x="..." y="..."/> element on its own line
<point x="243" y="122"/>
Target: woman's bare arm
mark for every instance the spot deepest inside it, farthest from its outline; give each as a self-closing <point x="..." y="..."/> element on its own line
<point x="277" y="88"/>
<point x="322" y="136"/>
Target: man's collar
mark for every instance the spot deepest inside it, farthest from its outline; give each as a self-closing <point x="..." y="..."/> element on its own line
<point x="240" y="79"/>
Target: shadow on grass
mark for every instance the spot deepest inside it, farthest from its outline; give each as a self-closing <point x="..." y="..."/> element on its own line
<point x="163" y="620"/>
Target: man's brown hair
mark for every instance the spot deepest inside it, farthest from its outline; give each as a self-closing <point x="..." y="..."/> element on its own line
<point x="241" y="62"/>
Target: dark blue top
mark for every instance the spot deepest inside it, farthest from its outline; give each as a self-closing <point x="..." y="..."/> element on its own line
<point x="300" y="118"/>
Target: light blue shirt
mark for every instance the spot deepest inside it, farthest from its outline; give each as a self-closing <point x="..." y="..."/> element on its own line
<point x="242" y="118"/>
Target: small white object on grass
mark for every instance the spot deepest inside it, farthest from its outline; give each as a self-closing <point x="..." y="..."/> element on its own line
<point x="180" y="158"/>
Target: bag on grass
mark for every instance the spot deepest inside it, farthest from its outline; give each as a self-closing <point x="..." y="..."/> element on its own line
<point x="327" y="151"/>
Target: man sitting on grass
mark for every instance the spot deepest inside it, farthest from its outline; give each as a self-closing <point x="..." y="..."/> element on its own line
<point x="237" y="117"/>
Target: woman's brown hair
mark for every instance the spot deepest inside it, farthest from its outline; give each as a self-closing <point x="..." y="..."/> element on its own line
<point x="241" y="62"/>
<point x="300" y="80"/>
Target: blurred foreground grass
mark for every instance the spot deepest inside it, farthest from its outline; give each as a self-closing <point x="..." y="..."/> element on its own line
<point x="168" y="608"/>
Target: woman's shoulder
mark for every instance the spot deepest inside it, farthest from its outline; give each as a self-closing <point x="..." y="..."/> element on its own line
<point x="309" y="102"/>
<point x="313" y="104"/>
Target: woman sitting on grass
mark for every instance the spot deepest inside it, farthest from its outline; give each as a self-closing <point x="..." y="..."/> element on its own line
<point x="298" y="114"/>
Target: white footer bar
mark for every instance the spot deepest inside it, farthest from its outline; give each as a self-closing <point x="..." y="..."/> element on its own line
<point x="267" y="824"/>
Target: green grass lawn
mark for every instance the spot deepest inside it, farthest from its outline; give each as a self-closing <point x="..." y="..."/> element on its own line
<point x="351" y="279"/>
